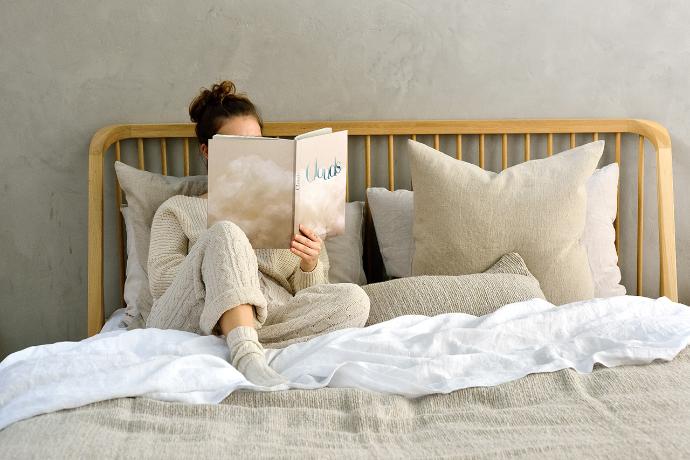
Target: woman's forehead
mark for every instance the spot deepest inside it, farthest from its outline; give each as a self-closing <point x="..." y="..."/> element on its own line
<point x="245" y="125"/>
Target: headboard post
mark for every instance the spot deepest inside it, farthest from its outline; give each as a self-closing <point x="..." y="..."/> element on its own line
<point x="668" y="277"/>
<point x="95" y="297"/>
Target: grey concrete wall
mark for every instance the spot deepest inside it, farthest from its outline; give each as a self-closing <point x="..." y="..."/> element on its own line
<point x="68" y="68"/>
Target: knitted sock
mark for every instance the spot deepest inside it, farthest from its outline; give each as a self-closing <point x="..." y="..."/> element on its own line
<point x="247" y="356"/>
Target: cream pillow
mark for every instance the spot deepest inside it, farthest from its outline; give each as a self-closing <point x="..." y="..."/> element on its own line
<point x="600" y="234"/>
<point x="465" y="217"/>
<point x="393" y="216"/>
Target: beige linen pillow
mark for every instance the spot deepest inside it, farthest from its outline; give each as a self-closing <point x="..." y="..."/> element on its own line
<point x="507" y="281"/>
<point x="145" y="192"/>
<point x="465" y="217"/>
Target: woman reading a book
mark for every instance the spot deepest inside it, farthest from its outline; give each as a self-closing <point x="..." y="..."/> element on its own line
<point x="211" y="281"/>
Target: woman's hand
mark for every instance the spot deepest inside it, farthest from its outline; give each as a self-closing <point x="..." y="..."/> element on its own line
<point x="308" y="247"/>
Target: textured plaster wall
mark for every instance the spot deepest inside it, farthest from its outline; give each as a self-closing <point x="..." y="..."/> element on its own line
<point x="68" y="68"/>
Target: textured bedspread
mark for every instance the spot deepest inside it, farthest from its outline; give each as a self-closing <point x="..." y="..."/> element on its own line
<point x="623" y="412"/>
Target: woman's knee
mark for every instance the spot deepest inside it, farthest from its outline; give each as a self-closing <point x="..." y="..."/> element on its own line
<point x="357" y="305"/>
<point x="227" y="231"/>
<point x="224" y="228"/>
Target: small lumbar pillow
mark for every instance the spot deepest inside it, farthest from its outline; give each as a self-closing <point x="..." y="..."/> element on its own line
<point x="507" y="281"/>
<point x="465" y="217"/>
<point x="393" y="216"/>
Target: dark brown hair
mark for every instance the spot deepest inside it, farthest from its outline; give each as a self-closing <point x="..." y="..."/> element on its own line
<point x="213" y="106"/>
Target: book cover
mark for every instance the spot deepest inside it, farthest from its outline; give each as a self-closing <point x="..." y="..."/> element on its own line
<point x="268" y="186"/>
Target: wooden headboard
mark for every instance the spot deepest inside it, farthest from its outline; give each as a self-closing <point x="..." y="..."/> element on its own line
<point x="486" y="141"/>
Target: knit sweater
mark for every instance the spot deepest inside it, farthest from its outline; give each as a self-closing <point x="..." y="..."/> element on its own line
<point x="176" y="227"/>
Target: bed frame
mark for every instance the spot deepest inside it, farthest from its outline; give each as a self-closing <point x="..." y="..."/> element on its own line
<point x="500" y="132"/>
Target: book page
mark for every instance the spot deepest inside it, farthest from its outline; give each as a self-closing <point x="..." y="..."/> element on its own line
<point x="251" y="182"/>
<point x="316" y="132"/>
<point x="320" y="178"/>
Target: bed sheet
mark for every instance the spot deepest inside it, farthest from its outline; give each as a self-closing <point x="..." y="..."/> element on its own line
<point x="115" y="321"/>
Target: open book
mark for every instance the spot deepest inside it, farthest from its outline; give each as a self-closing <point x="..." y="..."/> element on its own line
<point x="268" y="186"/>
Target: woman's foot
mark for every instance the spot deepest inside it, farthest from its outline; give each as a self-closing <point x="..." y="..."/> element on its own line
<point x="247" y="356"/>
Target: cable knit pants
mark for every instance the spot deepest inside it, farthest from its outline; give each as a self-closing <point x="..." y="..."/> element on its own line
<point x="221" y="271"/>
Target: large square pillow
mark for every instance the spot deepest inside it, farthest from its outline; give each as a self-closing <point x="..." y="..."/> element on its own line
<point x="393" y="216"/>
<point x="506" y="281"/>
<point x="465" y="217"/>
<point x="145" y="192"/>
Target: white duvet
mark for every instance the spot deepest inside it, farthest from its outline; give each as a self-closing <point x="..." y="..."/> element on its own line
<point x="409" y="355"/>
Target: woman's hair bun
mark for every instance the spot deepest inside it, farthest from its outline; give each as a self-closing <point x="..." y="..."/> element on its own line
<point x="220" y="91"/>
<point x="212" y="106"/>
<point x="211" y="97"/>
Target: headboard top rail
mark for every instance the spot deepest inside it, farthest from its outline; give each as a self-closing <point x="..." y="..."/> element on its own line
<point x="655" y="132"/>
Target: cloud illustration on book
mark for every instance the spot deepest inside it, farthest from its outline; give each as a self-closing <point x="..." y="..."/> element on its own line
<point x="270" y="189"/>
<point x="318" y="207"/>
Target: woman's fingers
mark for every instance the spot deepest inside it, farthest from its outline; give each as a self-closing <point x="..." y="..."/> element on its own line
<point x="306" y="246"/>
<point x="305" y="249"/>
<point x="302" y="255"/>
<point x="307" y="242"/>
<point x="309" y="233"/>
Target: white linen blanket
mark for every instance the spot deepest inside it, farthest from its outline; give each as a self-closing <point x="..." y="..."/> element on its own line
<point x="409" y="355"/>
